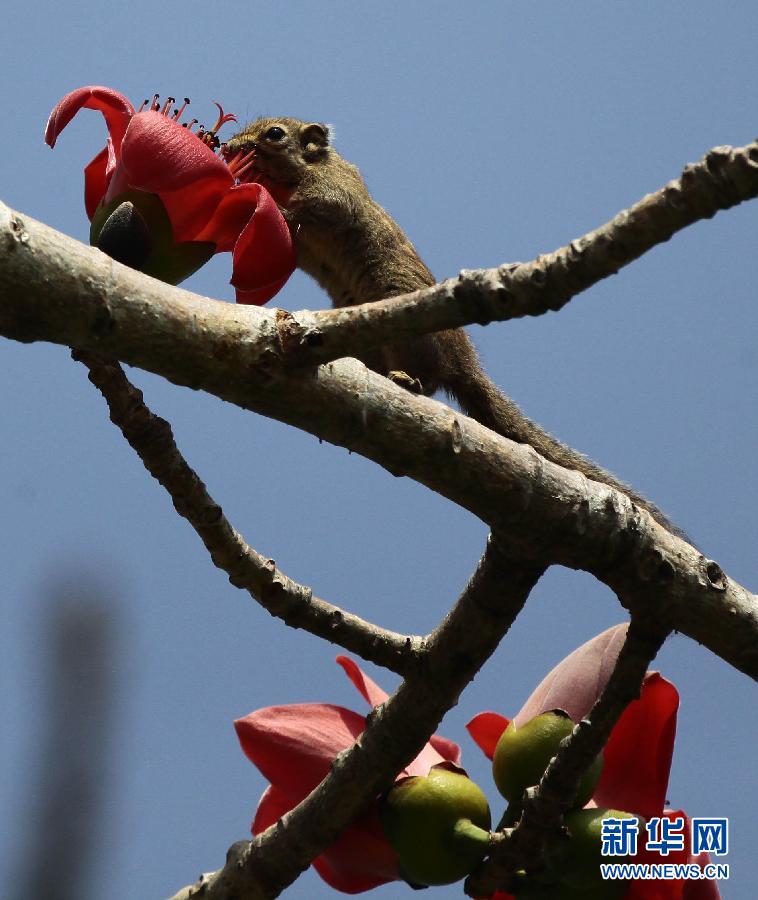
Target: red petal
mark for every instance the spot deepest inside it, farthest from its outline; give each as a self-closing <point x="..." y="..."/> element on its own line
<point x="360" y="859"/>
<point x="486" y="729"/>
<point x="446" y="748"/>
<point x="707" y="889"/>
<point x="260" y="295"/>
<point x="231" y="216"/>
<point x="114" y="106"/>
<point x="294" y="746"/>
<point x="659" y="890"/>
<point x="654" y="890"/>
<point x="160" y="155"/>
<point x="264" y="255"/>
<point x="271" y="807"/>
<point x="577" y="681"/>
<point x="436" y="751"/>
<point x="191" y="207"/>
<point x="689" y="889"/>
<point x="638" y="754"/>
<point x="369" y="689"/>
<point x="95" y="181"/>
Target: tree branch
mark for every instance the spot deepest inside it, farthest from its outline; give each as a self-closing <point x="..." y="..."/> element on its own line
<point x="395" y="733"/>
<point x="152" y="439"/>
<point x="550" y="514"/>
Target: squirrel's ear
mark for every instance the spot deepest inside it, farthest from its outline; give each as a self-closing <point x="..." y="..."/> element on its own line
<point x="315" y="136"/>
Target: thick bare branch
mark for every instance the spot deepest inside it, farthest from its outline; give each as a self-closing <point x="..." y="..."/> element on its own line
<point x="550" y="514"/>
<point x="395" y="733"/>
<point x="152" y="439"/>
<point x="523" y="846"/>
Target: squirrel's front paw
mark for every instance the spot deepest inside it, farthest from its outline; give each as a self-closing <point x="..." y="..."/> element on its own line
<point x="404" y="380"/>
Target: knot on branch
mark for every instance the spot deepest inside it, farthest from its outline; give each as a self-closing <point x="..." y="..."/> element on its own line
<point x="293" y="335"/>
<point x="714" y="574"/>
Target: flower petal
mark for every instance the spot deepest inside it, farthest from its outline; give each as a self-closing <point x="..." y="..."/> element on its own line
<point x="369" y="689"/>
<point x="161" y="155"/>
<point x="264" y="255"/>
<point x="359" y="860"/>
<point x="639" y="750"/>
<point x="96" y="181"/>
<point x="689" y="889"/>
<point x="116" y="109"/>
<point x="659" y="889"/>
<point x="190" y="208"/>
<point x="271" y="807"/>
<point x="446" y="748"/>
<point x="578" y="680"/>
<point x="697" y="889"/>
<point x="294" y="746"/>
<point x="231" y="216"/>
<point x="439" y="749"/>
<point x="486" y="729"/>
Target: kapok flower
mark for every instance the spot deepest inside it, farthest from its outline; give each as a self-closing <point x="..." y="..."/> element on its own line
<point x="182" y="200"/>
<point x="637" y="756"/>
<point x="294" y="747"/>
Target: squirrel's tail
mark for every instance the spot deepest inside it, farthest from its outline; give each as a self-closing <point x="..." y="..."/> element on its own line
<point x="481" y="399"/>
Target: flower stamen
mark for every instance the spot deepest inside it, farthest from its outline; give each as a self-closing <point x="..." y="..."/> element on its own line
<point x="223" y="118"/>
<point x="240" y="164"/>
<point x="178" y="112"/>
<point x="207" y="136"/>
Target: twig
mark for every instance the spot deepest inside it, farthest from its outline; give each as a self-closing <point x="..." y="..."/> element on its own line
<point x="152" y="439"/>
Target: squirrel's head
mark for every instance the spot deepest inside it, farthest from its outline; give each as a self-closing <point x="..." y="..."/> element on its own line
<point x="282" y="149"/>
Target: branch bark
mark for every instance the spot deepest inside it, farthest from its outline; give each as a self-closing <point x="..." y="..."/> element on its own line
<point x="153" y="441"/>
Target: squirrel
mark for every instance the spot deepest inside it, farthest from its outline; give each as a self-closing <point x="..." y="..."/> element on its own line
<point x="356" y="251"/>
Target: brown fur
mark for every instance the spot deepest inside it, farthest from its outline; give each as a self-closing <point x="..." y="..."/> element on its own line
<point x="358" y="253"/>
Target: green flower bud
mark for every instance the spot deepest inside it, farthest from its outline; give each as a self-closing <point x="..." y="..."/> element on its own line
<point x="522" y="755"/>
<point x="438" y="824"/>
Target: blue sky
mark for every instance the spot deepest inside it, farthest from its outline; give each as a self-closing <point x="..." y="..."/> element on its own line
<point x="492" y="131"/>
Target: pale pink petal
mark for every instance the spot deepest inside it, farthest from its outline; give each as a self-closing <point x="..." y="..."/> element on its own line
<point x="369" y="689"/>
<point x="294" y="746"/>
<point x="577" y="681"/>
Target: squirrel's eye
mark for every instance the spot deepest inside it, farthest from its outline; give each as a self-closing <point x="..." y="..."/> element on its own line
<point x="275" y="133"/>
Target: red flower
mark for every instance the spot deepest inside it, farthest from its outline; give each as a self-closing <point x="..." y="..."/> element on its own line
<point x="637" y="756"/>
<point x="185" y="194"/>
<point x="294" y="747"/>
